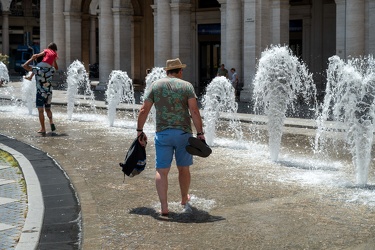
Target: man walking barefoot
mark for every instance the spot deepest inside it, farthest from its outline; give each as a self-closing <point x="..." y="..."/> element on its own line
<point x="175" y="101"/>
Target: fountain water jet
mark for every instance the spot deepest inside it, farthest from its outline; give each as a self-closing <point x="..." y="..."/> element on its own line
<point x="4" y="75"/>
<point x="29" y="94"/>
<point x="155" y="74"/>
<point x="280" y="81"/>
<point x="220" y="97"/>
<point x="350" y="102"/>
<point x="78" y="79"/>
<point x="120" y="89"/>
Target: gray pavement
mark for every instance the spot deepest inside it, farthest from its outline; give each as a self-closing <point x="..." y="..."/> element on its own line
<point x="77" y="196"/>
<point x="47" y="216"/>
<point x="12" y="204"/>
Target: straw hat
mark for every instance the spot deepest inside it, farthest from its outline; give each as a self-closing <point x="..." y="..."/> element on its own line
<point x="174" y="64"/>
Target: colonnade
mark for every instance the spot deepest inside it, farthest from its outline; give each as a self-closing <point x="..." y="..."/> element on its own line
<point x="247" y="28"/>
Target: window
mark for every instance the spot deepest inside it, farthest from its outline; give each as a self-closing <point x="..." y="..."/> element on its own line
<point x="35" y="6"/>
<point x="208" y="4"/>
<point x="16" y="8"/>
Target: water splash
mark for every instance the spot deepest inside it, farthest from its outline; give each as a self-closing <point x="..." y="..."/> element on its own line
<point x="155" y="74"/>
<point x="28" y="90"/>
<point x="78" y="80"/>
<point x="350" y="103"/>
<point x="280" y="82"/>
<point x="4" y="74"/>
<point x="120" y="89"/>
<point x="220" y="97"/>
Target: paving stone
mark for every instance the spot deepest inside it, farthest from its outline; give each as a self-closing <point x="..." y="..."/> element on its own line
<point x="62" y="225"/>
<point x="13" y="205"/>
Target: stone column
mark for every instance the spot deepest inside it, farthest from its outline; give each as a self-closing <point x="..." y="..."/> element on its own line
<point x="93" y="39"/>
<point x="5" y="33"/>
<point x="59" y="33"/>
<point x="234" y="36"/>
<point x="355" y="28"/>
<point x="163" y="36"/>
<point x="280" y="22"/>
<point x="370" y="24"/>
<point x="249" y="48"/>
<point x="106" y="51"/>
<point x="122" y="39"/>
<point x="73" y="36"/>
<point x="341" y="28"/>
<point x="181" y="36"/>
<point x="46" y="26"/>
<point x="223" y="39"/>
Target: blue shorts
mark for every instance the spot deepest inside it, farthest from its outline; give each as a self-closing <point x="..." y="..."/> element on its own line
<point x="171" y="142"/>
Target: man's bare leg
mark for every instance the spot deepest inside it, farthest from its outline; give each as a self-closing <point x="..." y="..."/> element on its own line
<point x="184" y="179"/>
<point x="49" y="115"/>
<point x="161" y="181"/>
<point x="41" y="120"/>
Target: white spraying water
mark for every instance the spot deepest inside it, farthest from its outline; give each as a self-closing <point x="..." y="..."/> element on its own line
<point x="78" y="80"/>
<point x="120" y="89"/>
<point x="4" y="74"/>
<point x="220" y="97"/>
<point x="350" y="102"/>
<point x="29" y="94"/>
<point x="280" y="81"/>
<point x="249" y="163"/>
<point x="155" y="74"/>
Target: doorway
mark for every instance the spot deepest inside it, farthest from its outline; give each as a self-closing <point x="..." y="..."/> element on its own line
<point x="209" y="59"/>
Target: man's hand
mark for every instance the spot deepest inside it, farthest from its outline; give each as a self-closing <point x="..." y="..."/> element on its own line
<point x="142" y="138"/>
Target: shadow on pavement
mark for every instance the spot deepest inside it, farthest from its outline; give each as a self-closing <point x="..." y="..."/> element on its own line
<point x="196" y="216"/>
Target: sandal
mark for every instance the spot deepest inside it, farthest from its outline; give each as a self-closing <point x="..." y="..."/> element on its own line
<point x="53" y="127"/>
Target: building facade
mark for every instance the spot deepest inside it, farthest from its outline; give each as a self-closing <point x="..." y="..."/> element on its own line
<point x="134" y="35"/>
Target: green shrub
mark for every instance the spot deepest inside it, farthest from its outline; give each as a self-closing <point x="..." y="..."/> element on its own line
<point x="4" y="59"/>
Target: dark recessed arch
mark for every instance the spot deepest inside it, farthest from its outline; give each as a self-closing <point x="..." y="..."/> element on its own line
<point x="137" y="7"/>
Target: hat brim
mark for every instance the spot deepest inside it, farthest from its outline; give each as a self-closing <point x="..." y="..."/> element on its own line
<point x="181" y="66"/>
<point x="198" y="147"/>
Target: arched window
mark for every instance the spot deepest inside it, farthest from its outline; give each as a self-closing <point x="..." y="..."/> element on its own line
<point x="35" y="6"/>
<point x="16" y="8"/>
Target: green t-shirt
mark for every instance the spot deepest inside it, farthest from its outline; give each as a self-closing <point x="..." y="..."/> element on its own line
<point x="170" y="96"/>
<point x="222" y="72"/>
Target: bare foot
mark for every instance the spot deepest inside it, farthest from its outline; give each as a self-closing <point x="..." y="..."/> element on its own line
<point x="186" y="200"/>
<point x="41" y="131"/>
<point x="163" y="213"/>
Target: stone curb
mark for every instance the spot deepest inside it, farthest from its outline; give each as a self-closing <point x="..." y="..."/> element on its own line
<point x="31" y="231"/>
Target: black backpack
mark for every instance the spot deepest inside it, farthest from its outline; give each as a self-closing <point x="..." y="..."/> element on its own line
<point x="135" y="159"/>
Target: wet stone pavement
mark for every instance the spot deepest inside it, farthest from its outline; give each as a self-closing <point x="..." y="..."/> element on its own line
<point x="239" y="198"/>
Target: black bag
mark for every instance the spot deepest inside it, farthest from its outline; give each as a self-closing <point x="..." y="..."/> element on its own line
<point x="135" y="159"/>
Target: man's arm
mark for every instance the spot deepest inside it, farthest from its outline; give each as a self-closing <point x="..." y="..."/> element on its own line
<point x="143" y="113"/>
<point x="26" y="65"/>
<point x="196" y="116"/>
<point x="142" y="117"/>
<point x="35" y="56"/>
